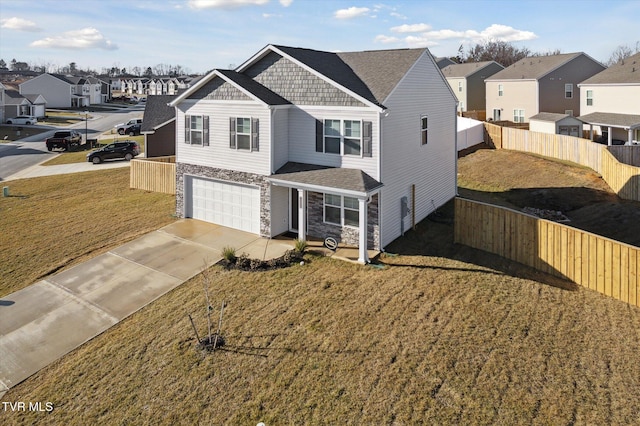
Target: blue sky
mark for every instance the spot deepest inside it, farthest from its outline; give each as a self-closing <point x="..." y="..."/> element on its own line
<point x="200" y="35"/>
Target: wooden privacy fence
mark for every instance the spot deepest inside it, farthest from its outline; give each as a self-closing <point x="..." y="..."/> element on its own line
<point x="156" y="174"/>
<point x="598" y="263"/>
<point x="624" y="179"/>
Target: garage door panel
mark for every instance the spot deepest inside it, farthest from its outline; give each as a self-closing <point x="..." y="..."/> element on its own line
<point x="228" y="204"/>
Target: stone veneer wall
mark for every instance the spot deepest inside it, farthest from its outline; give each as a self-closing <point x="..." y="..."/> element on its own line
<point x="343" y="234"/>
<point x="231" y="176"/>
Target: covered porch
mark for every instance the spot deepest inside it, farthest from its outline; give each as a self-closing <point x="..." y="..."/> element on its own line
<point x="617" y="129"/>
<point x="332" y="202"/>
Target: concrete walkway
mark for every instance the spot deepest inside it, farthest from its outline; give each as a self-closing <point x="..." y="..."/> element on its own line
<point x="42" y="322"/>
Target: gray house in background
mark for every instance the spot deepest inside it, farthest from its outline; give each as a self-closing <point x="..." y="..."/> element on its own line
<point x="467" y="82"/>
<point x="159" y="126"/>
<point x="539" y="84"/>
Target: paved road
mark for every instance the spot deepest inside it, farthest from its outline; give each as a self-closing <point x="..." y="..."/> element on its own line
<point x="29" y="151"/>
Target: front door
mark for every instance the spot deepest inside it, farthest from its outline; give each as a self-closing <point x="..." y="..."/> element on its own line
<point x="496" y="114"/>
<point x="293" y="213"/>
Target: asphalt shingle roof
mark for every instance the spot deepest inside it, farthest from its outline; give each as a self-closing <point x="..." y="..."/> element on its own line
<point x="327" y="177"/>
<point x="611" y="119"/>
<point x="534" y="67"/>
<point x="549" y="116"/>
<point x="464" y="70"/>
<point x="157" y="112"/>
<point x="626" y="71"/>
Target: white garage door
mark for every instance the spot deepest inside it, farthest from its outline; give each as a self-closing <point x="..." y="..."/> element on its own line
<point x="227" y="204"/>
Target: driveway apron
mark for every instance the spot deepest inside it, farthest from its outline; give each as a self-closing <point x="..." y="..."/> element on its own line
<point x="42" y="322"/>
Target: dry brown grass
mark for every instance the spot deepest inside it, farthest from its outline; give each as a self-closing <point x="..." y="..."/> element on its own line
<point x="427" y="340"/>
<point x="52" y="222"/>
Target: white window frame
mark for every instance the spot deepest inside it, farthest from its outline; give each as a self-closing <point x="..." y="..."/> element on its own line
<point x="342" y="136"/>
<point x="247" y="135"/>
<point x="568" y="91"/>
<point x="424" y="129"/>
<point x="459" y="86"/>
<point x="589" y="97"/>
<point x="343" y="208"/>
<point x="500" y="90"/>
<point x="518" y="115"/>
<point x="193" y="130"/>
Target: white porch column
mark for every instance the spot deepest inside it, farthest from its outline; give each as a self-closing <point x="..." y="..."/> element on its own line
<point x="591" y="131"/>
<point x="363" y="255"/>
<point x="630" y="138"/>
<point x="610" y="136"/>
<point x="302" y="215"/>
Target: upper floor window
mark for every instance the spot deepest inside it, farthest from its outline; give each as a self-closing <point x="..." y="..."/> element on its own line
<point x="346" y="137"/>
<point x="568" y="91"/>
<point x="518" y="116"/>
<point x="459" y="86"/>
<point x="196" y="129"/>
<point x="589" y="97"/>
<point x="424" y="129"/>
<point x="243" y="133"/>
<point x="500" y="90"/>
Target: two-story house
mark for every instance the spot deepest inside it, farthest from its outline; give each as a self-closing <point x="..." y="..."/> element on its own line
<point x="539" y="84"/>
<point x="467" y="82"/>
<point x="610" y="101"/>
<point x="358" y="146"/>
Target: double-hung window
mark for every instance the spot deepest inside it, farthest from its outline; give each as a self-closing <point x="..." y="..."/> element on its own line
<point x="352" y="137"/>
<point x="343" y="137"/>
<point x="568" y="91"/>
<point x="332" y="136"/>
<point x="589" y="97"/>
<point x="196" y="129"/>
<point x="243" y="133"/>
<point x="424" y="129"/>
<point x="500" y="90"/>
<point x="343" y="211"/>
<point x="459" y="86"/>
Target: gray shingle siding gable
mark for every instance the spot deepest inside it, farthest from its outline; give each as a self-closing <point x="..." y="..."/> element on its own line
<point x="296" y="84"/>
<point x="218" y="89"/>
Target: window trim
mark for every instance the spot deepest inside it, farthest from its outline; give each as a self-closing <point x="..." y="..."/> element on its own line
<point x="253" y="134"/>
<point x="424" y="131"/>
<point x="342" y="208"/>
<point x="343" y="137"/>
<point x="568" y="94"/>
<point x="500" y="90"/>
<point x="589" y="97"/>
<point x="518" y="118"/>
<point x="204" y="131"/>
<point x="459" y="86"/>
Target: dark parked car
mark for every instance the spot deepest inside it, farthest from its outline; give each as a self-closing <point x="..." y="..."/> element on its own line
<point x="123" y="149"/>
<point x="132" y="130"/>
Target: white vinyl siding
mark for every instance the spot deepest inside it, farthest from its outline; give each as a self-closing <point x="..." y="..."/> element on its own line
<point x="218" y="154"/>
<point x="302" y="137"/>
<point x="405" y="161"/>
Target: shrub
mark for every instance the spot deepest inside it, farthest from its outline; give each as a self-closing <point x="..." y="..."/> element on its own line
<point x="301" y="245"/>
<point x="229" y="254"/>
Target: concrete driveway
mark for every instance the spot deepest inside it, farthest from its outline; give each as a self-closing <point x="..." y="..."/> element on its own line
<point x="41" y="323"/>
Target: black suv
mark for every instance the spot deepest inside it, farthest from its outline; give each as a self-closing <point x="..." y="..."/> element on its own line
<point x="123" y="149"/>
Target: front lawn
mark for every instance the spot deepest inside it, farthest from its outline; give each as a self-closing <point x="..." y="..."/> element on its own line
<point x="49" y="223"/>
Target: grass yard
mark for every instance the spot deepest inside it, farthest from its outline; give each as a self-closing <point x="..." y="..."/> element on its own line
<point x="52" y="222"/>
<point x="426" y="340"/>
<point x="9" y="133"/>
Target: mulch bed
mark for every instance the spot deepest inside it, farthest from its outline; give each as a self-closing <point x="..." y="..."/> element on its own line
<point x="244" y="263"/>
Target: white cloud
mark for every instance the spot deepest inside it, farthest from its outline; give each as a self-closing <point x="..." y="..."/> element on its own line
<point x="386" y="39"/>
<point x="398" y="15"/>
<point x="225" y="4"/>
<point x="286" y="3"/>
<point x="352" y="12"/>
<point x="506" y="33"/>
<point x="19" y="24"/>
<point x="413" y="28"/>
<point x="271" y="15"/>
<point x="85" y="38"/>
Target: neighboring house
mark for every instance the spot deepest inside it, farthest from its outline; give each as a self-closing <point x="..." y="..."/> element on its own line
<point x="353" y="145"/>
<point x="60" y="91"/>
<point x="539" y="84"/>
<point x="16" y="104"/>
<point x="554" y="123"/>
<point x="159" y="126"/>
<point x="610" y="101"/>
<point x="444" y="62"/>
<point x="467" y="82"/>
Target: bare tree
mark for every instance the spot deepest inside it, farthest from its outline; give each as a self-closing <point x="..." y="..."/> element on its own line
<point x="502" y="52"/>
<point x="621" y="53"/>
